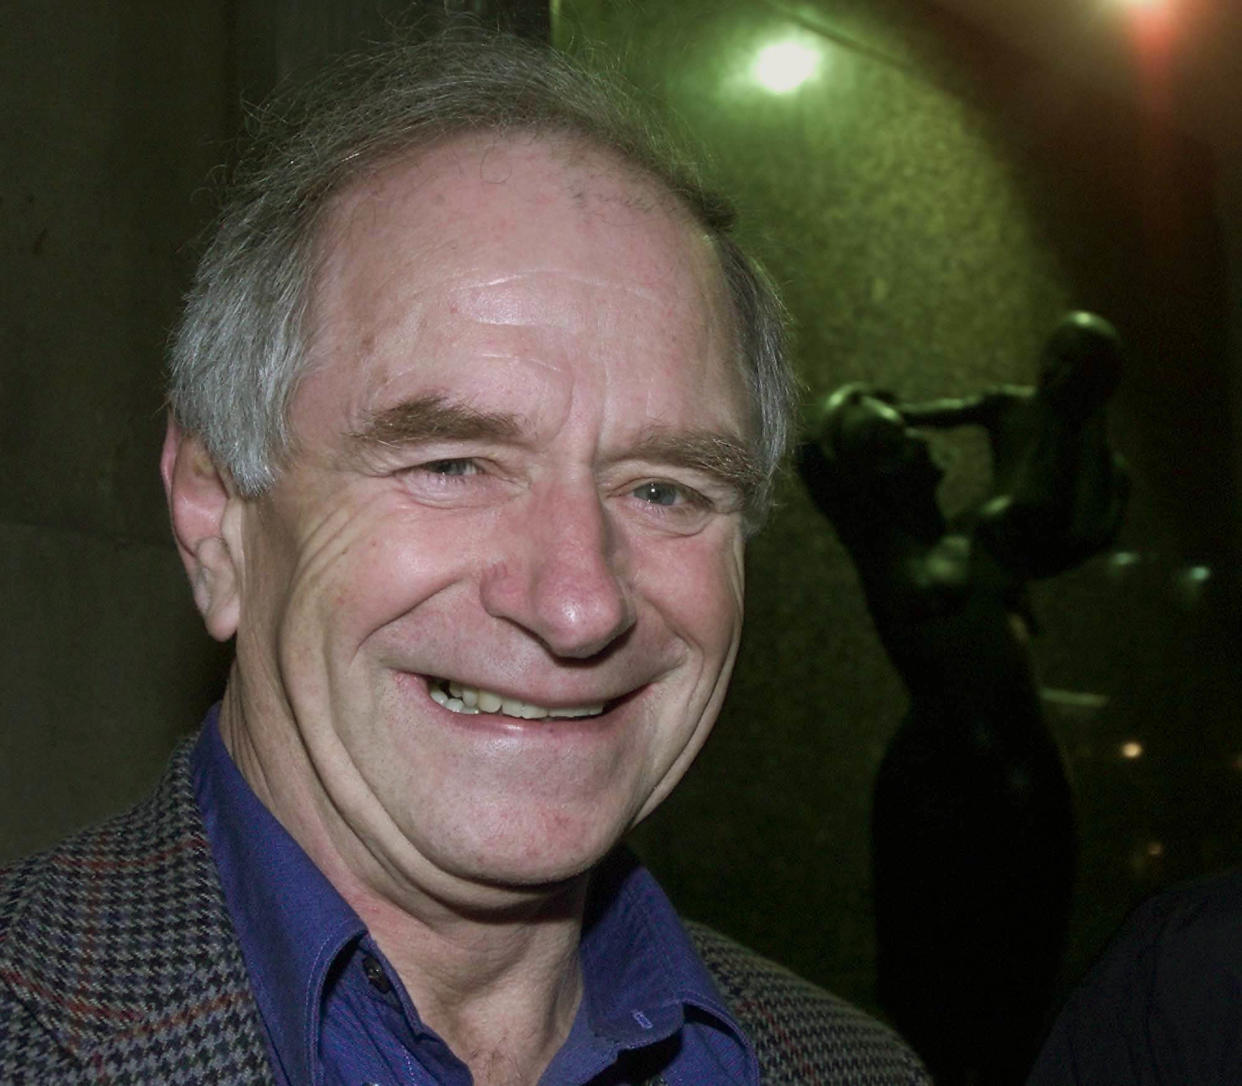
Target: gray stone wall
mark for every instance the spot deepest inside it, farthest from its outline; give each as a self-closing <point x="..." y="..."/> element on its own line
<point x="114" y="112"/>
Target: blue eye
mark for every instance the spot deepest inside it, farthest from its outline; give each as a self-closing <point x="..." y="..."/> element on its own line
<point x="659" y="493"/>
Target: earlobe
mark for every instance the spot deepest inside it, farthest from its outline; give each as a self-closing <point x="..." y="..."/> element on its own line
<point x="202" y="502"/>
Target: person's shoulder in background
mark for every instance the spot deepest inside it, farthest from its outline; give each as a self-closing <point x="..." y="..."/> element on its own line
<point x="1164" y="1003"/>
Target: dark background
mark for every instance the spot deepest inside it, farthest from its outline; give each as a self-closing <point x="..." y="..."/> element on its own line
<point x="930" y="201"/>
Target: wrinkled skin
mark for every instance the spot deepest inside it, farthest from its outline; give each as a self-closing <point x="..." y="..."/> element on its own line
<point x="563" y="545"/>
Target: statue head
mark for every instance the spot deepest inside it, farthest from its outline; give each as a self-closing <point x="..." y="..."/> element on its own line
<point x="866" y="462"/>
<point x="1081" y="363"/>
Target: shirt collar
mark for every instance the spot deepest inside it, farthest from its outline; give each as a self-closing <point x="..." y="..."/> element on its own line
<point x="636" y="956"/>
<point x="291" y="922"/>
<point x="643" y="978"/>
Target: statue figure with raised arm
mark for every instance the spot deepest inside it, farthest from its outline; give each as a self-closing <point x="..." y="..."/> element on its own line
<point x="973" y="828"/>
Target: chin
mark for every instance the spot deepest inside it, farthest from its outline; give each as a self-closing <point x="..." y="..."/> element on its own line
<point x="536" y="850"/>
<point x="507" y="881"/>
<point x="538" y="879"/>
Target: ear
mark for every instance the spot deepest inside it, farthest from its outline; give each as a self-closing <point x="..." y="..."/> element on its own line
<point x="204" y="506"/>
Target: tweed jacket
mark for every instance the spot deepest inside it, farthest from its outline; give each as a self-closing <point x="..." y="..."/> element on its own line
<point x="119" y="964"/>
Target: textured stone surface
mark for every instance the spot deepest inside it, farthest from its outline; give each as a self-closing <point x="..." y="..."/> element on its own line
<point x="114" y="114"/>
<point x="104" y="669"/>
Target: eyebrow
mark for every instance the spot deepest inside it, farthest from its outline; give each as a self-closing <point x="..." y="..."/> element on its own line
<point x="434" y="418"/>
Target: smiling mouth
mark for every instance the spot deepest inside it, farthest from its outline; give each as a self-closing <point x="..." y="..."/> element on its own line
<point x="471" y="700"/>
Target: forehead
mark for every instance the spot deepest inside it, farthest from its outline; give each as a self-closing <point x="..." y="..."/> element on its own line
<point x="561" y="233"/>
<point x="502" y="189"/>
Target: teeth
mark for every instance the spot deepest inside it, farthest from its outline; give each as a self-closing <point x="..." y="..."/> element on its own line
<point x="470" y="700"/>
<point x="468" y="696"/>
<point x="457" y="705"/>
<point x="512" y="707"/>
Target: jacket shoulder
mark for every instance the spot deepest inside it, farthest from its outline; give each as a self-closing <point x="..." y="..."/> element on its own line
<point x="803" y="1035"/>
<point x="118" y="961"/>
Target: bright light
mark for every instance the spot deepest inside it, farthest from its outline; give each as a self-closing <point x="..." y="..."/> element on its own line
<point x="1131" y="749"/>
<point x="1153" y="24"/>
<point x="782" y="67"/>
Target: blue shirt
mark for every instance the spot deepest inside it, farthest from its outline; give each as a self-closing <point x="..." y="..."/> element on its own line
<point x="335" y="1011"/>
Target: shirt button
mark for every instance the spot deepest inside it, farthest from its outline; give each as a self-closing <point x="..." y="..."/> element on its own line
<point x="376" y="975"/>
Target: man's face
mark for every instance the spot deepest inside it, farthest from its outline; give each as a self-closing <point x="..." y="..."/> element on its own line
<point x="515" y="489"/>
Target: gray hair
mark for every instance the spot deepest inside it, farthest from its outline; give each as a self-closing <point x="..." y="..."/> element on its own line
<point x="240" y="350"/>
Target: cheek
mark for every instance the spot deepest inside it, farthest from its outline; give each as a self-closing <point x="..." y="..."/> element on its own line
<point x="269" y="577"/>
<point x="365" y="567"/>
<point x="697" y="585"/>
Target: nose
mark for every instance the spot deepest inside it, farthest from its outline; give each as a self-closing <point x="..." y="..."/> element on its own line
<point x="560" y="575"/>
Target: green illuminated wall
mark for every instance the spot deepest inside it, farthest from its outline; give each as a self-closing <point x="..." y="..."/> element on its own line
<point x="930" y="203"/>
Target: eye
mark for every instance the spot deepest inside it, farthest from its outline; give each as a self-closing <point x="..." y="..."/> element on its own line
<point x="450" y="467"/>
<point x="660" y="493"/>
<point x="450" y="479"/>
<point x="671" y="507"/>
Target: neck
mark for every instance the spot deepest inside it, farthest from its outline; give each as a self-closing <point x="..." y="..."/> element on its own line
<point x="501" y="987"/>
<point x="493" y="970"/>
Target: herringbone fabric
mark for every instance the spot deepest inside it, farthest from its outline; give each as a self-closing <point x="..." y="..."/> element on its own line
<point x="803" y="1036"/>
<point x="118" y="958"/>
<point x="119" y="965"/>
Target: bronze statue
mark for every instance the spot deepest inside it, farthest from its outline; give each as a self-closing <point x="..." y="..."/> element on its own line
<point x="973" y="828"/>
